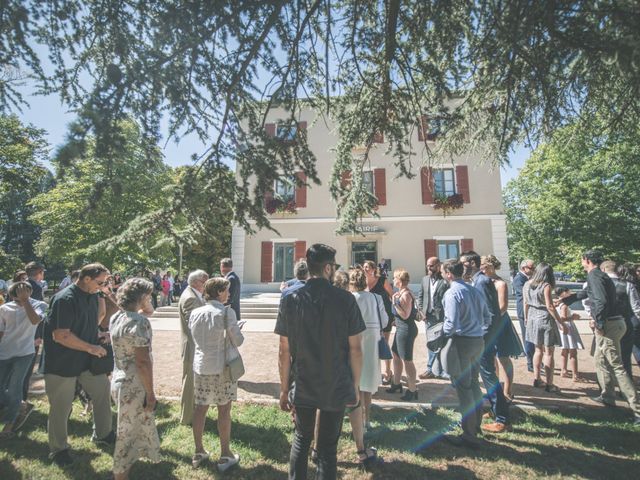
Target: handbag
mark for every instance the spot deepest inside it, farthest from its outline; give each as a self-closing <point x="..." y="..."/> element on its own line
<point x="384" y="352"/>
<point x="435" y="336"/>
<point x="102" y="365"/>
<point x="234" y="366"/>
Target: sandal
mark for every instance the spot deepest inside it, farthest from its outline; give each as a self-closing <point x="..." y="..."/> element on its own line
<point x="198" y="458"/>
<point x="230" y="462"/>
<point x="370" y="457"/>
<point x="539" y="384"/>
<point x="314" y="456"/>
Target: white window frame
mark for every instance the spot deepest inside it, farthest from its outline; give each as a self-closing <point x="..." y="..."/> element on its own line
<point x="444" y="170"/>
<point x="447" y="243"/>
<point x="285" y="189"/>
<point x="287" y="133"/>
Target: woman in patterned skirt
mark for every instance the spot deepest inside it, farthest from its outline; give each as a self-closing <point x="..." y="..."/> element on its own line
<point x="132" y="381"/>
<point x="208" y="325"/>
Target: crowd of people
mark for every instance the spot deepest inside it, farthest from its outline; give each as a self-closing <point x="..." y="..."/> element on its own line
<point x="334" y="329"/>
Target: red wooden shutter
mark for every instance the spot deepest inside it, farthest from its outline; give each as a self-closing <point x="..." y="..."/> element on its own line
<point x="423" y="125"/>
<point x="466" y="244"/>
<point x="302" y="126"/>
<point x="462" y="182"/>
<point x="378" y="137"/>
<point x="380" y="185"/>
<point x="426" y="180"/>
<point x="301" y="192"/>
<point x="266" y="262"/>
<point x="300" y="250"/>
<point x="270" y="129"/>
<point x="430" y="250"/>
<point x="345" y="181"/>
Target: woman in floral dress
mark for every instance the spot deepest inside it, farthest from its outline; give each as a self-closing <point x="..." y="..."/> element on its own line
<point x="132" y="381"/>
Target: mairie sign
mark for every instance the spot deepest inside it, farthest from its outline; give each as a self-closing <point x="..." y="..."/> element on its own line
<point x="369" y="229"/>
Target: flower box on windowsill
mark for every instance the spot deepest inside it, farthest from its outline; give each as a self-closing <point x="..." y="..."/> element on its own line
<point x="447" y="203"/>
<point x="277" y="205"/>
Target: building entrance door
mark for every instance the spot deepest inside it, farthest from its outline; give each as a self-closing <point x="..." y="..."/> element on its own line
<point x="361" y="251"/>
<point x="283" y="261"/>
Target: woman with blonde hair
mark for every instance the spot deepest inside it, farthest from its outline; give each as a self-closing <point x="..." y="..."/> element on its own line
<point x="508" y="344"/>
<point x="211" y="326"/>
<point x="404" y="304"/>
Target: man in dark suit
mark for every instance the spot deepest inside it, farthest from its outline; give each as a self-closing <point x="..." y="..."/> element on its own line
<point x="526" y="269"/>
<point x="430" y="297"/>
<point x="226" y="268"/>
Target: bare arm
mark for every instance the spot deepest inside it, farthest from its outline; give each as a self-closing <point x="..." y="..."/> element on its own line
<point x="284" y="367"/>
<point x="66" y="338"/>
<point x="388" y="288"/>
<point x="145" y="369"/>
<point x="355" y="359"/>
<point x="549" y="304"/>
<point x="503" y="296"/>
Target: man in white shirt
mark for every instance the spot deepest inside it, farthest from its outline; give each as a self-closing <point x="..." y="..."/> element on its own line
<point x="18" y="321"/>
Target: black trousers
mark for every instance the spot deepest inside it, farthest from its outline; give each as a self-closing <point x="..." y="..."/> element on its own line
<point x="330" y="427"/>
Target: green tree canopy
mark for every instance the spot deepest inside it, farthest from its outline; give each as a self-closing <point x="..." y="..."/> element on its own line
<point x="23" y="150"/>
<point x="77" y="226"/>
<point x="578" y="191"/>
<point x="519" y="68"/>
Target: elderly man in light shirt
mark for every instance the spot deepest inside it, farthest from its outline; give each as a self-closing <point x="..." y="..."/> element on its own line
<point x="466" y="321"/>
<point x="190" y="299"/>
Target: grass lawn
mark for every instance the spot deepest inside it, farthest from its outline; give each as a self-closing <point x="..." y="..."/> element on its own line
<point x="599" y="443"/>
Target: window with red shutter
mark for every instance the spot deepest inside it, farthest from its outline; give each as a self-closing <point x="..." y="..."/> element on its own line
<point x="426" y="182"/>
<point x="345" y="180"/>
<point x="266" y="262"/>
<point x="466" y="244"/>
<point x="462" y="182"/>
<point x="378" y="137"/>
<point x="301" y="191"/>
<point x="300" y="250"/>
<point x="430" y="250"/>
<point x="380" y="185"/>
<point x="270" y="129"/>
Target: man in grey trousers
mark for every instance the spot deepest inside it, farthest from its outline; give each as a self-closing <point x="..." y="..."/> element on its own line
<point x="71" y="339"/>
<point x="466" y="321"/>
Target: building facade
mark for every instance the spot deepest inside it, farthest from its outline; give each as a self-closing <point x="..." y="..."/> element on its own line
<point x="410" y="229"/>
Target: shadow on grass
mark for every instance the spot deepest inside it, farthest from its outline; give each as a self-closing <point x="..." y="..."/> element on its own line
<point x="8" y="471"/>
<point x="603" y="430"/>
<point x="261" y="388"/>
<point x="544" y="452"/>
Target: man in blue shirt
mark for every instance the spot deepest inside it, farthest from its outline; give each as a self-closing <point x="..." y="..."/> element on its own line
<point x="466" y="321"/>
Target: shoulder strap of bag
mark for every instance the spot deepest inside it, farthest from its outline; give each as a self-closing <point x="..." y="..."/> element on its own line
<point x="375" y="297"/>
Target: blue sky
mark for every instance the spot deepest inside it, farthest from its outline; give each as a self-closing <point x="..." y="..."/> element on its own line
<point x="48" y="113"/>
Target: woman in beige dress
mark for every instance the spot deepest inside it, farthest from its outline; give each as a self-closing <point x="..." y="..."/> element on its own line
<point x="132" y="380"/>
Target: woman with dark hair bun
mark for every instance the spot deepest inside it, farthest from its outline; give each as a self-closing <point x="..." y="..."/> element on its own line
<point x="543" y="323"/>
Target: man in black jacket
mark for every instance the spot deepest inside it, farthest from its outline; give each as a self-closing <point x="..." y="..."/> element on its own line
<point x="609" y="327"/>
<point x="226" y="268"/>
<point x="320" y="360"/>
<point x="430" y="297"/>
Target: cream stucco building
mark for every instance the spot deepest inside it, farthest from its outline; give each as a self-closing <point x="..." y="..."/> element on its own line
<point x="408" y="231"/>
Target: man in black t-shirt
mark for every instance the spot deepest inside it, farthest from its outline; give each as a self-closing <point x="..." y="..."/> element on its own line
<point x="70" y="340"/>
<point x="320" y="359"/>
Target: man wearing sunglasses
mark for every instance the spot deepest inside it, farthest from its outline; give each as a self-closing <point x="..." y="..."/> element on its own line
<point x="70" y="341"/>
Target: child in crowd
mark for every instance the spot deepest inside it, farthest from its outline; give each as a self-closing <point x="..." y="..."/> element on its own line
<point x="571" y="341"/>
